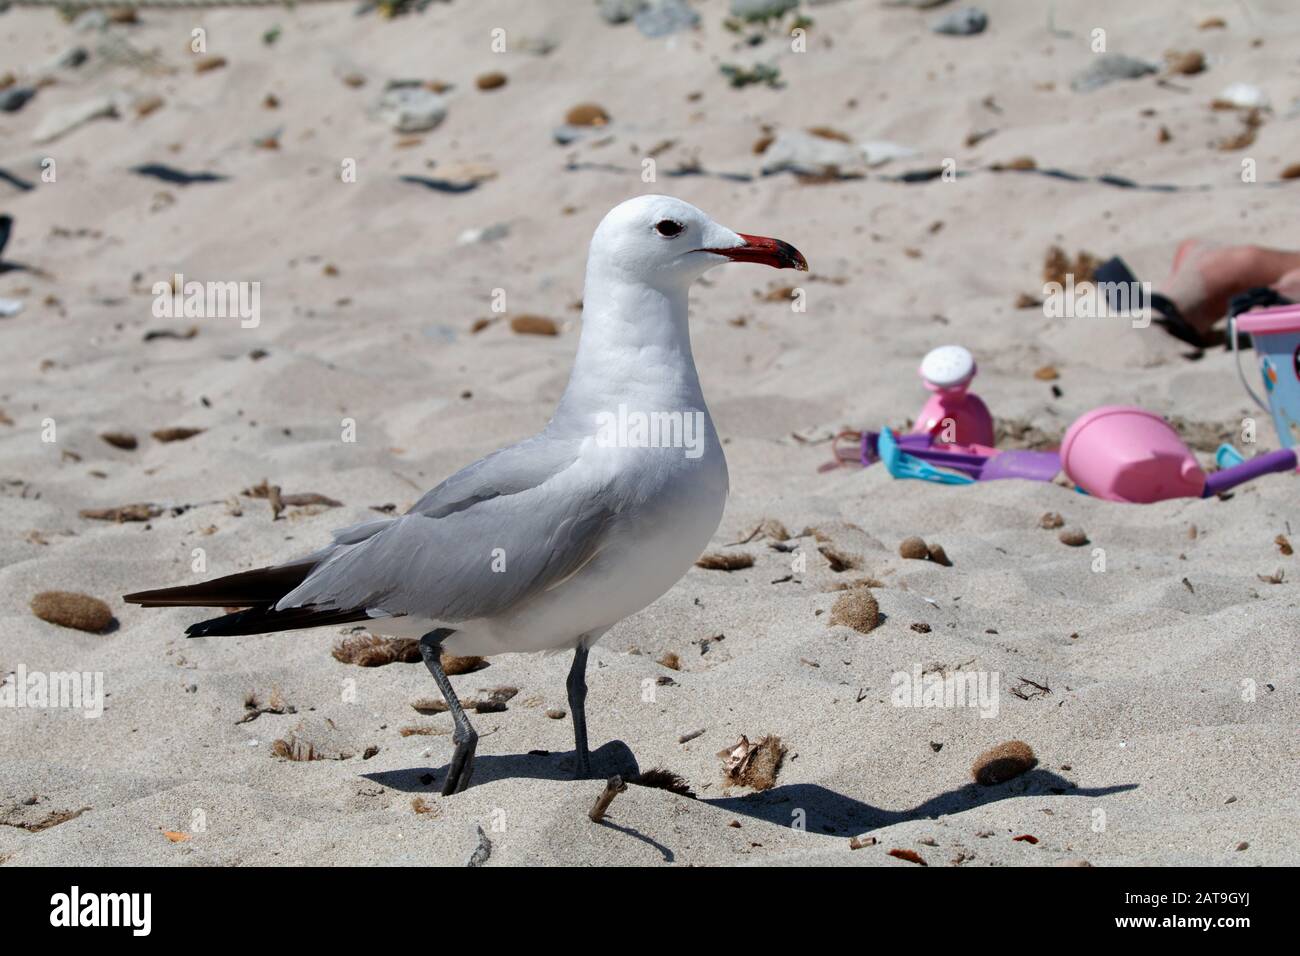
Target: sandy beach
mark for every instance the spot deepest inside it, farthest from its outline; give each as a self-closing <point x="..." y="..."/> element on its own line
<point x="1159" y="696"/>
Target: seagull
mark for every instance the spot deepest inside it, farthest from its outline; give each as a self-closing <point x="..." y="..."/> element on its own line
<point x="546" y="544"/>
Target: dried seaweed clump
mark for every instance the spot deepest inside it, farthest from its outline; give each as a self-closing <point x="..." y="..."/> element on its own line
<point x="459" y="665"/>
<point x="69" y="609"/>
<point x="314" y="738"/>
<point x="753" y="765"/>
<point x="725" y="561"/>
<point x="857" y="609"/>
<point x="662" y="779"/>
<point x="371" y="650"/>
<point x="1003" y="762"/>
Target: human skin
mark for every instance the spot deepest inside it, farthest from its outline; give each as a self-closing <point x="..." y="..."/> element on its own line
<point x="1205" y="276"/>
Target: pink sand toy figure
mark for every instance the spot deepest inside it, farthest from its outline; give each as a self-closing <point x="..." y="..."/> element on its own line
<point x="952" y="416"/>
<point x="1124" y="453"/>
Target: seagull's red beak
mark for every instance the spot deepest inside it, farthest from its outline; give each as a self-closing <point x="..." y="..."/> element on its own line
<point x="770" y="252"/>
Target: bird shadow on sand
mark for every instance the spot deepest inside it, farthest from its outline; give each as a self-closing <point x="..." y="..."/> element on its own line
<point x="830" y="812"/>
<point x="612" y="758"/>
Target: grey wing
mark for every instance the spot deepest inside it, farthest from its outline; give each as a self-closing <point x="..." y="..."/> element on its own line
<point x="496" y="533"/>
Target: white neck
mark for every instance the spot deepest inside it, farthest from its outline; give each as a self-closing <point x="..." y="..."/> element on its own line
<point x="635" y="348"/>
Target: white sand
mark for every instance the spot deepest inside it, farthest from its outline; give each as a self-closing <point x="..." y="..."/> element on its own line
<point x="1148" y="751"/>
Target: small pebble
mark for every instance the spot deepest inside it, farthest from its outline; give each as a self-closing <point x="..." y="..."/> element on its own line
<point x="1185" y="64"/>
<point x="1051" y="521"/>
<point x="534" y="325"/>
<point x="209" y="63"/>
<point x="586" y="114"/>
<point x="1075" y="537"/>
<point x="490" y="81"/>
<point x="939" y="556"/>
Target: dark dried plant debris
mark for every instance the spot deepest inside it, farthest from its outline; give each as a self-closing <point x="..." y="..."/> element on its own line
<point x="662" y="779"/>
<point x="414" y="730"/>
<point x="275" y="704"/>
<point x="176" y="434"/>
<point x="36" y="821"/>
<point x="911" y="856"/>
<point x="840" y="560"/>
<point x="422" y="806"/>
<point x="123" y="440"/>
<point x="137" y="512"/>
<point x="753" y="765"/>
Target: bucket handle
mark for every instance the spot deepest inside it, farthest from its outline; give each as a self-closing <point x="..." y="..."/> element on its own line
<point x="1236" y="355"/>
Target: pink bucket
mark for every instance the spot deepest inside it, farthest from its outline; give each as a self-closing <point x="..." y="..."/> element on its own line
<point x="1124" y="453"/>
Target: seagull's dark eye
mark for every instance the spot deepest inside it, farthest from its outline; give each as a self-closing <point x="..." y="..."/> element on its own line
<point x="669" y="228"/>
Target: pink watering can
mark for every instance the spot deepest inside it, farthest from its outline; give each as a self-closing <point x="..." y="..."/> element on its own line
<point x="953" y="415"/>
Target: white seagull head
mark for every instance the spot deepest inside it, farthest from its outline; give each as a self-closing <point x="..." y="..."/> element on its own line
<point x="663" y="242"/>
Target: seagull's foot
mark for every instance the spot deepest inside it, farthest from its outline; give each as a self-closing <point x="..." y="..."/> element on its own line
<point x="461" y="767"/>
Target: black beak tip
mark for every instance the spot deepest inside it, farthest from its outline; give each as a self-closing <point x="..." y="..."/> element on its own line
<point x="791" y="258"/>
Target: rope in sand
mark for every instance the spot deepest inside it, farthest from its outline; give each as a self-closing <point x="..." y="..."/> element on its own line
<point x="164" y="4"/>
<point x="931" y="174"/>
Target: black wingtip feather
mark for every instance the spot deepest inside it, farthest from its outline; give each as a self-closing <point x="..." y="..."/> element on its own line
<point x="260" y="620"/>
<point x="260" y="587"/>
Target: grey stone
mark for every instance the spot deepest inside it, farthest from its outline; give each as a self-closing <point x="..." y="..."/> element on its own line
<point x="1109" y="67"/>
<point x="58" y="122"/>
<point x="620" y="11"/>
<point x="659" y="18"/>
<point x="761" y="9"/>
<point x="411" y="109"/>
<point x="73" y="58"/>
<point x="965" y="22"/>
<point x="482" y="848"/>
<point x="798" y="152"/>
<point x="15" y="98"/>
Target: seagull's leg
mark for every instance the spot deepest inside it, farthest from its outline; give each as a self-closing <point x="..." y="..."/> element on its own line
<point x="577" y="686"/>
<point x="464" y="737"/>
